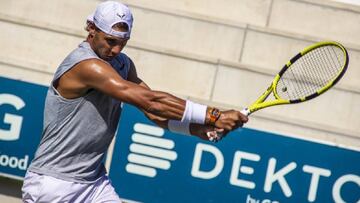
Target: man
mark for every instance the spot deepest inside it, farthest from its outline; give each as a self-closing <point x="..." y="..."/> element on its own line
<point x="82" y="110"/>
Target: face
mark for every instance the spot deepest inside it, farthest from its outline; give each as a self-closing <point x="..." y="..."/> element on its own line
<point x="106" y="46"/>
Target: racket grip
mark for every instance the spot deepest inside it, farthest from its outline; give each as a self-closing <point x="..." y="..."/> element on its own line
<point x="245" y="111"/>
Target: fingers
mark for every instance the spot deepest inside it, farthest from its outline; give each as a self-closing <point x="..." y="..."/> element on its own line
<point x="241" y="119"/>
<point x="216" y="135"/>
<point x="228" y="121"/>
<point x="231" y="120"/>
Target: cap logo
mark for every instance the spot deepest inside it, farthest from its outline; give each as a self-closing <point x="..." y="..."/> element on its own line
<point x="121" y="15"/>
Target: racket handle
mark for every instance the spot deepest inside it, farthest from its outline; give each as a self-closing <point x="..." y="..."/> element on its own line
<point x="245" y="111"/>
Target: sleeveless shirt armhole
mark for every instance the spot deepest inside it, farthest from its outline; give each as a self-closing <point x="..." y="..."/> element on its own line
<point x="58" y="76"/>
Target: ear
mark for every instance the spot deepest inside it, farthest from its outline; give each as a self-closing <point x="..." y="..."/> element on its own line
<point x="90" y="27"/>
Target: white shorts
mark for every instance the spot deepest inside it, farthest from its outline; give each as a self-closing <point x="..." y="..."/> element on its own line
<point x="42" y="188"/>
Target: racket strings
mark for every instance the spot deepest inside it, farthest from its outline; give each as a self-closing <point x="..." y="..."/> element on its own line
<point x="311" y="72"/>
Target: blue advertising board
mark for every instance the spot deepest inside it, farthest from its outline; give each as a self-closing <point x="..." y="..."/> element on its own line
<point x="21" y="116"/>
<point x="153" y="165"/>
<point x="150" y="164"/>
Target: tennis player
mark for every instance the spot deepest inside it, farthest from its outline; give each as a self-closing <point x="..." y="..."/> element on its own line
<point x="82" y="110"/>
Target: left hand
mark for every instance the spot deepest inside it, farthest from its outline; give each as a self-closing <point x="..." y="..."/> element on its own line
<point x="206" y="132"/>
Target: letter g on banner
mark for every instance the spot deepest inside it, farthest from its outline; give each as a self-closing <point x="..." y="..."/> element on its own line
<point x="15" y="121"/>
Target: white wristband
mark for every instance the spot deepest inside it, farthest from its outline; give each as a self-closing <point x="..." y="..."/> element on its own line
<point x="194" y="113"/>
<point x="179" y="127"/>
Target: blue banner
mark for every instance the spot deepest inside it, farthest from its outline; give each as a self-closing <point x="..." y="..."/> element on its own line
<point x="250" y="166"/>
<point x="150" y="164"/>
<point x="21" y="116"/>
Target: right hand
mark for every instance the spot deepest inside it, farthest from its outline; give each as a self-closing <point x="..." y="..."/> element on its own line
<point x="231" y="120"/>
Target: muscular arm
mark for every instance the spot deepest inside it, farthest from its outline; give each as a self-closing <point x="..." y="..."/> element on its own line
<point x="96" y="74"/>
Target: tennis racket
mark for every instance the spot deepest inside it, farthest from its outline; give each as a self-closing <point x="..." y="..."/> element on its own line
<point x="307" y="75"/>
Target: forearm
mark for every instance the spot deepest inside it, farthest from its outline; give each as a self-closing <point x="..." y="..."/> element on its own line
<point x="197" y="130"/>
<point x="155" y="102"/>
<point x="160" y="121"/>
<point x="166" y="106"/>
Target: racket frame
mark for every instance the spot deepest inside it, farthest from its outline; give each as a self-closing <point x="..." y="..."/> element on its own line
<point x="260" y="104"/>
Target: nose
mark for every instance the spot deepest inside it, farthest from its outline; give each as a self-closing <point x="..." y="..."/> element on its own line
<point x="116" y="49"/>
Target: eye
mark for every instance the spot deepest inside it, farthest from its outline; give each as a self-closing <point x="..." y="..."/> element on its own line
<point x="111" y="42"/>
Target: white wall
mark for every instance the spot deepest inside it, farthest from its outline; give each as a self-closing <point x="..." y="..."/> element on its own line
<point x="216" y="52"/>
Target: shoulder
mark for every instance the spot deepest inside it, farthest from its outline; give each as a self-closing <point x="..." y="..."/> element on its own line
<point x="123" y="65"/>
<point x="124" y="58"/>
<point x="91" y="63"/>
<point x="123" y="55"/>
<point x="92" y="66"/>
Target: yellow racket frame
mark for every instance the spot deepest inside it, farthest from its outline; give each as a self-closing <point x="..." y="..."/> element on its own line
<point x="260" y="103"/>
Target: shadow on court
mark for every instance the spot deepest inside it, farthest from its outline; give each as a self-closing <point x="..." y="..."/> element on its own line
<point x="10" y="187"/>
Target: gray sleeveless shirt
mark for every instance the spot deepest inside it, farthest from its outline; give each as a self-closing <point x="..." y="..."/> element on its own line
<point x="77" y="132"/>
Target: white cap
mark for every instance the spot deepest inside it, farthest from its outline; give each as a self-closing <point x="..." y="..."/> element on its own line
<point x="109" y="13"/>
